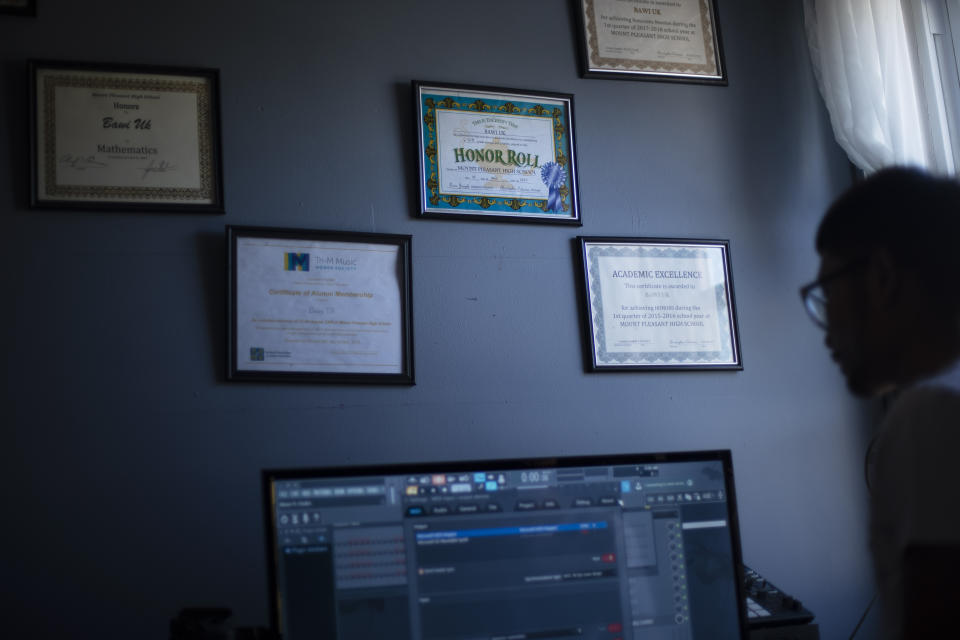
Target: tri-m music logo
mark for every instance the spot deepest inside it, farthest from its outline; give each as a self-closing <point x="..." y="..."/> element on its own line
<point x="321" y="262"/>
<point x="296" y="261"/>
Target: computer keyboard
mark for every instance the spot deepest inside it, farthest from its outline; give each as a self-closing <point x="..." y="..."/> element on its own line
<point x="768" y="606"/>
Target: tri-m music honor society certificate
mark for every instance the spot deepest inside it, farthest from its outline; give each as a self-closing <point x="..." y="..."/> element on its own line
<point x="125" y="137"/>
<point x="318" y="303"/>
<point x="660" y="304"/>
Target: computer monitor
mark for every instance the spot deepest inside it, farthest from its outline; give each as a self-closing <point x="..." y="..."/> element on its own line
<point x="595" y="548"/>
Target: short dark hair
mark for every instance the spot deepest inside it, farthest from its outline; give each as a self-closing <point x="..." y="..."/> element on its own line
<point x="911" y="214"/>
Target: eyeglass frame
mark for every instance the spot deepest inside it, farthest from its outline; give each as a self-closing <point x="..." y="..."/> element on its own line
<point x="807" y="290"/>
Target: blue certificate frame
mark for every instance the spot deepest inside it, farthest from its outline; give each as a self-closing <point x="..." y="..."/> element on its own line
<point x="496" y="154"/>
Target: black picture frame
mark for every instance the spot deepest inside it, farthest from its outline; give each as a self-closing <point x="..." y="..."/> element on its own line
<point x="119" y="155"/>
<point x="658" y="304"/>
<point x="517" y="159"/>
<point x="25" y="8"/>
<point x="314" y="310"/>
<point x="629" y="31"/>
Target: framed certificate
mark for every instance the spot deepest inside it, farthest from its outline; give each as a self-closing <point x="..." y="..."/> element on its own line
<point x="659" y="304"/>
<point x="651" y="40"/>
<point x="319" y="306"/>
<point x="124" y="137"/>
<point x="18" y="7"/>
<point x="496" y="154"/>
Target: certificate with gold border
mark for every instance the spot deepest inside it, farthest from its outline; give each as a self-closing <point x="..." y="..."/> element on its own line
<point x="672" y="40"/>
<point x="319" y="306"/>
<point x="125" y="137"/>
<point x="496" y="154"/>
<point x="655" y="303"/>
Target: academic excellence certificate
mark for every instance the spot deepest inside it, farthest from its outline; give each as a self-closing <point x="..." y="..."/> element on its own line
<point x="117" y="137"/>
<point x="318" y="306"/>
<point x="660" y="304"/>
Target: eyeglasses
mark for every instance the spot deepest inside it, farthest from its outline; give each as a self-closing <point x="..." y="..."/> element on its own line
<point x="815" y="299"/>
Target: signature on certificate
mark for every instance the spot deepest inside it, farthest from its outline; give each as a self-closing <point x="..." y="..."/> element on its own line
<point x="155" y="166"/>
<point x="700" y="344"/>
<point x="81" y="163"/>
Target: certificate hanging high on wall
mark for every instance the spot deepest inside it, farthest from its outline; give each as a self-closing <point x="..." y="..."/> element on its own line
<point x="125" y="137"/>
<point x="496" y="154"/>
<point x="675" y="40"/>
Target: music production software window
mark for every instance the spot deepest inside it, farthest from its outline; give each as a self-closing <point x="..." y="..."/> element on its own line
<point x="597" y="553"/>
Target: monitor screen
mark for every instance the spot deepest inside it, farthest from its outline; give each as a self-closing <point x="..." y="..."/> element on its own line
<point x="597" y="548"/>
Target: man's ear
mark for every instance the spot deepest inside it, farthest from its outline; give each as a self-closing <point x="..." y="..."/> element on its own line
<point x="883" y="279"/>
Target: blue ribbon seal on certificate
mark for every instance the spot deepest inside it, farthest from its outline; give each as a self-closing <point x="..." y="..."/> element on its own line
<point x="554" y="177"/>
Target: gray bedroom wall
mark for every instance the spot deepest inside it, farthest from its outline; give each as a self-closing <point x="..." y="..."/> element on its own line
<point x="130" y="468"/>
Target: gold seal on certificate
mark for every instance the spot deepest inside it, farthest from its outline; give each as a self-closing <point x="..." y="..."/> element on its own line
<point x="319" y="306"/>
<point x="659" y="304"/>
<point x="125" y="137"/>
<point x="652" y="39"/>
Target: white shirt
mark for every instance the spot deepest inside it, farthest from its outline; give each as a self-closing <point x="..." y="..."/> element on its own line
<point x="914" y="483"/>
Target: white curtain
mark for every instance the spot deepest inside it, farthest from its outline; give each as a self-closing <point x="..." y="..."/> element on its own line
<point x="864" y="64"/>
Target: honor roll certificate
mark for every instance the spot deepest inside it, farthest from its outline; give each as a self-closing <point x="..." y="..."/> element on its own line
<point x="662" y="39"/>
<point x="127" y="139"/>
<point x="660" y="304"/>
<point x="495" y="153"/>
<point x="334" y="305"/>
